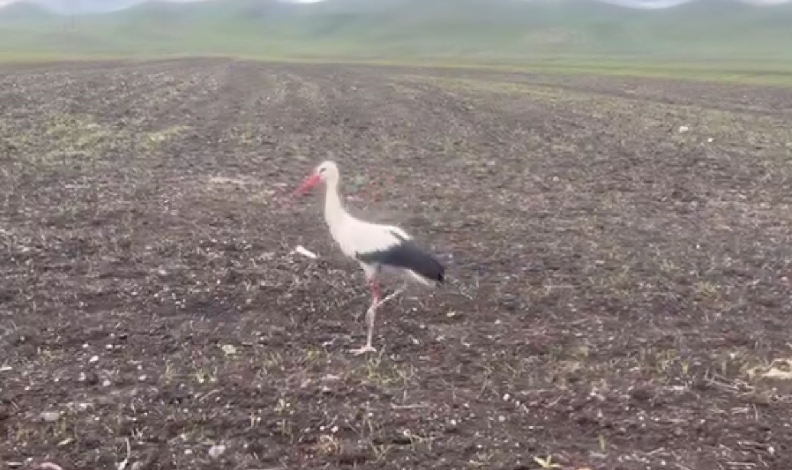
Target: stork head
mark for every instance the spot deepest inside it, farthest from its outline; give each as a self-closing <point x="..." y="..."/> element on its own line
<point x="325" y="172"/>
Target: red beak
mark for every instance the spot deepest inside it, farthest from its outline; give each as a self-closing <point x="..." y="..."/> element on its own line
<point x="308" y="184"/>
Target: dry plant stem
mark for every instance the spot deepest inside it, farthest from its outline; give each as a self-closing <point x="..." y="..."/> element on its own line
<point x="49" y="466"/>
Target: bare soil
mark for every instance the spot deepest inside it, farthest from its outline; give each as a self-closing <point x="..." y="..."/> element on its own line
<point x="618" y="290"/>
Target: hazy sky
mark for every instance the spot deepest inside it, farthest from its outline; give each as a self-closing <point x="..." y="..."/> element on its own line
<point x="97" y="5"/>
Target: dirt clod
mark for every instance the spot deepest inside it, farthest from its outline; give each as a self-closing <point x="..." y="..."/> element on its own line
<point x="50" y="416"/>
<point x="216" y="451"/>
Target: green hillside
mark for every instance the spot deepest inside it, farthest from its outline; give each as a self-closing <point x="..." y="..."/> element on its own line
<point x="450" y="29"/>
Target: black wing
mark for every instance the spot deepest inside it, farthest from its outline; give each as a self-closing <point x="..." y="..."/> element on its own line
<point x="407" y="254"/>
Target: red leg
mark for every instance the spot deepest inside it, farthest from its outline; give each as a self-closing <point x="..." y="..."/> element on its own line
<point x="371" y="313"/>
<point x="375" y="291"/>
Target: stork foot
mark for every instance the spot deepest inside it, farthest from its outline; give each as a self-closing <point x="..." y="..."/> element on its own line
<point x="365" y="349"/>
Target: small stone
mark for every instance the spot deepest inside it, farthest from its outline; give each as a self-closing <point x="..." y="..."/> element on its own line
<point x="352" y="454"/>
<point x="90" y="378"/>
<point x="93" y="359"/>
<point x="50" y="416"/>
<point x="216" y="451"/>
<point x="641" y="394"/>
<point x="106" y="383"/>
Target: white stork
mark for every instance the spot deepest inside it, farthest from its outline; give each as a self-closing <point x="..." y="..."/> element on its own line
<point x="378" y="248"/>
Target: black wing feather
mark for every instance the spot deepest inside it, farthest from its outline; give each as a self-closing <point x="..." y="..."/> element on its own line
<point x="407" y="255"/>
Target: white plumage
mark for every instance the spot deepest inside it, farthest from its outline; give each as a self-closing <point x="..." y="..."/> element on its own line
<point x="376" y="247"/>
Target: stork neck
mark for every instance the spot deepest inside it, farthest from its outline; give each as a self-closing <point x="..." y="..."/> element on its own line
<point x="334" y="211"/>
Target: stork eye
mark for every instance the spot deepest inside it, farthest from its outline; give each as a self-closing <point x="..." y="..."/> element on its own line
<point x="322" y="170"/>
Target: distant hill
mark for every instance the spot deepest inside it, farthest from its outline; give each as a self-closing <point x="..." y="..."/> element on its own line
<point x="24" y="14"/>
<point x="497" y="29"/>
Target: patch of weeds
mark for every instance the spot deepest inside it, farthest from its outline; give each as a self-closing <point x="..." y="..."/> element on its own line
<point x="405" y="91"/>
<point x="736" y="364"/>
<point x="272" y="362"/>
<point x="71" y="138"/>
<point x="386" y="373"/>
<point x="153" y="140"/>
<point x="204" y="375"/>
<point x="621" y="282"/>
<point x="420" y="441"/>
<point x="283" y="425"/>
<point x="380" y="451"/>
<point x="663" y="363"/>
<point x="194" y="434"/>
<point x="245" y="135"/>
<point x="313" y="356"/>
<point x="67" y="138"/>
<point x="308" y="90"/>
<point x="61" y="431"/>
<point x="328" y="445"/>
<point x="707" y="290"/>
<point x="544" y="93"/>
<point x="169" y="374"/>
<point x="481" y="459"/>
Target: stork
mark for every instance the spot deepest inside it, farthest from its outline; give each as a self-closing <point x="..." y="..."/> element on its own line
<point x="377" y="248"/>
